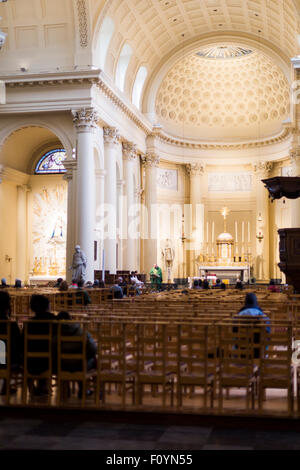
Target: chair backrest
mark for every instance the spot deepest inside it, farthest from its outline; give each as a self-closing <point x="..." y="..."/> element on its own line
<point x="5" y="347"/>
<point x="38" y="338"/>
<point x="71" y="349"/>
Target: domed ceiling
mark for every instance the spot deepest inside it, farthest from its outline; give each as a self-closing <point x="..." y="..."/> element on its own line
<point x="224" y="93"/>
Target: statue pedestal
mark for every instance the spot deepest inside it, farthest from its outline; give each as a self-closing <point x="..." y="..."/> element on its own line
<point x="289" y="251"/>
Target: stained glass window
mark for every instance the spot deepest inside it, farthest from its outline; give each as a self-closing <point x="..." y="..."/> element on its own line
<point x="51" y="162"/>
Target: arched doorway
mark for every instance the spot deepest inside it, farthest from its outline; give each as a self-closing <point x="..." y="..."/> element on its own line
<point x="33" y="206"/>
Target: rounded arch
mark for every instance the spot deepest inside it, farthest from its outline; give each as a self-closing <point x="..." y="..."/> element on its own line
<point x="105" y="35"/>
<point x="7" y="131"/>
<point x="138" y="85"/>
<point x="122" y="65"/>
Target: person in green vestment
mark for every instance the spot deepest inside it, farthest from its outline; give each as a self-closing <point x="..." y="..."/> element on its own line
<point x="156" y="277"/>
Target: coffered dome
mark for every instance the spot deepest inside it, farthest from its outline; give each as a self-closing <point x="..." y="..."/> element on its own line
<point x="223" y="93"/>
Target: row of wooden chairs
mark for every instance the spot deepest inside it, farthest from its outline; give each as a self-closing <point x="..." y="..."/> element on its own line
<point x="162" y="357"/>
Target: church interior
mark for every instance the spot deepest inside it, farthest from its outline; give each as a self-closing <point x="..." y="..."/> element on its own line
<point x="143" y="133"/>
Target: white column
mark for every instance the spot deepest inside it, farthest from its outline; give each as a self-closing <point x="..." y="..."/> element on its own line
<point x="195" y="171"/>
<point x="100" y="184"/>
<point x="21" y="255"/>
<point x="111" y="143"/>
<point x="129" y="158"/>
<point x="70" y="177"/>
<point x="295" y="203"/>
<point x="262" y="170"/>
<point x="85" y="121"/>
<point x="151" y="162"/>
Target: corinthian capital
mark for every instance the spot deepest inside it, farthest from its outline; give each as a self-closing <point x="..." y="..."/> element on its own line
<point x="111" y="135"/>
<point x="262" y="169"/>
<point x="151" y="159"/>
<point x="129" y="151"/>
<point x="195" y="169"/>
<point x="295" y="155"/>
<point x="85" y="119"/>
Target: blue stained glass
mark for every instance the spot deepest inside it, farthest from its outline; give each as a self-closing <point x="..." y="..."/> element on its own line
<point x="51" y="162"/>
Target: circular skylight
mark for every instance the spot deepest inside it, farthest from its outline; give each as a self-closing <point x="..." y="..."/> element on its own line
<point x="224" y="52"/>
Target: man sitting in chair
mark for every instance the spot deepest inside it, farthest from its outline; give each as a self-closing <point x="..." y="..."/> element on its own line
<point x="156" y="277"/>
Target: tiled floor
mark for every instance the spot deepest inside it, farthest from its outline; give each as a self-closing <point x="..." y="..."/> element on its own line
<point x="53" y="433"/>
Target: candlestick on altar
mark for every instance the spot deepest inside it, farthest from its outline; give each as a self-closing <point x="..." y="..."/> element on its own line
<point x="243" y="232"/>
<point x="207" y="233"/>
<point x="248" y="232"/>
<point x="236" y="232"/>
<point x="213" y="233"/>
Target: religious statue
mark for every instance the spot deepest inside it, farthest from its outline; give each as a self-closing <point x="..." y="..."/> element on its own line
<point x="168" y="255"/>
<point x="79" y="264"/>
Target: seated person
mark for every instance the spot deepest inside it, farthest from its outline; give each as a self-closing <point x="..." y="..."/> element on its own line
<point x="196" y="284"/>
<point x="15" y="336"/>
<point x="40" y="305"/>
<point x="3" y="284"/>
<point x="205" y="284"/>
<point x="272" y="287"/>
<point x="239" y="284"/>
<point x="58" y="282"/>
<point x="74" y="284"/>
<point x="18" y="283"/>
<point x="252" y="309"/>
<point x="64" y="286"/>
<point x="223" y="286"/>
<point x="117" y="291"/>
<point x="81" y="291"/>
<point x="123" y="284"/>
<point x="218" y="284"/>
<point x="75" y="365"/>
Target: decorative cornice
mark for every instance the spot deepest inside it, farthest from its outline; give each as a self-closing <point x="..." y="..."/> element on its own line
<point x="150" y="159"/>
<point x="112" y="96"/>
<point x="195" y="169"/>
<point x="111" y="135"/>
<point x="14" y="176"/>
<point x="129" y="151"/>
<point x="284" y="135"/>
<point x="83" y="23"/>
<point x="262" y="169"/>
<point x="85" y="119"/>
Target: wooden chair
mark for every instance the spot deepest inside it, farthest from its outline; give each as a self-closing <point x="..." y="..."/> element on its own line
<point x="116" y="358"/>
<point x="38" y="337"/>
<point x="199" y="360"/>
<point x="154" y="365"/>
<point x="275" y="370"/>
<point x="236" y="360"/>
<point x="72" y="366"/>
<point x="5" y="356"/>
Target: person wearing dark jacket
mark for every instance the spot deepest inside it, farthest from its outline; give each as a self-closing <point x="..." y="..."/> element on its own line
<point x="252" y="309"/>
<point x="15" y="335"/>
<point x="40" y="305"/>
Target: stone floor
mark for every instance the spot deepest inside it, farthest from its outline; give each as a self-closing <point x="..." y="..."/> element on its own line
<point x="57" y="431"/>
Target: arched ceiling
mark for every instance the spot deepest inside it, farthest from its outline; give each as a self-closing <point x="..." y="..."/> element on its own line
<point x="245" y="97"/>
<point x="155" y="27"/>
<point x="24" y="146"/>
